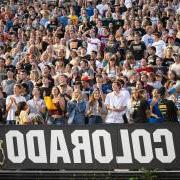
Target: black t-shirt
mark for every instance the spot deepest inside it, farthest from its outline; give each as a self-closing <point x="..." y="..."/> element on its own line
<point x="177" y="42"/>
<point x="140" y="109"/>
<point x="168" y="110"/>
<point x="122" y="9"/>
<point x="149" y="89"/>
<point x="140" y="30"/>
<point x="106" y="21"/>
<point x="122" y="51"/>
<point x="168" y="61"/>
<point x="152" y="59"/>
<point x="2" y="110"/>
<point x="86" y="57"/>
<point x="138" y="50"/>
<point x="16" y="27"/>
<point x="113" y="48"/>
<point x="118" y="23"/>
<point x="66" y="61"/>
<point x="74" y="44"/>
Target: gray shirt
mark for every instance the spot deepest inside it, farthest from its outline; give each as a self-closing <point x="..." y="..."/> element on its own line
<point x="35" y="106"/>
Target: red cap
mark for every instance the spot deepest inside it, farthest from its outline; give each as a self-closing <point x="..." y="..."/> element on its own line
<point x="170" y="37"/>
<point x="85" y="78"/>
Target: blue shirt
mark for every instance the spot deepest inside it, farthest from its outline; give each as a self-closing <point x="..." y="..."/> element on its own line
<point x="43" y="22"/>
<point x="90" y="11"/>
<point x="157" y="112"/>
<point x="63" y="20"/>
<point x="9" y="24"/>
<point x="106" y="88"/>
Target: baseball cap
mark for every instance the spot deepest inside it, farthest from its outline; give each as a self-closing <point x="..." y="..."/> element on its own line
<point x="85" y="78"/>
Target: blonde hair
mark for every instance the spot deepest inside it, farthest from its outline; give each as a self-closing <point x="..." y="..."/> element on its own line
<point x="80" y="94"/>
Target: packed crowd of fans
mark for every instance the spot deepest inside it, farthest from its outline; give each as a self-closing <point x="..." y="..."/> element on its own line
<point x="89" y="61"/>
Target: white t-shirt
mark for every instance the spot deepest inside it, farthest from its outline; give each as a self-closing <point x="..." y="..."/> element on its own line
<point x="43" y="64"/>
<point x="176" y="68"/>
<point x="127" y="96"/>
<point x="102" y="8"/>
<point x="160" y="46"/>
<point x="99" y="64"/>
<point x="154" y="20"/>
<point x="128" y="3"/>
<point x="11" y="112"/>
<point x="148" y="39"/>
<point x="93" y="44"/>
<point x="116" y="101"/>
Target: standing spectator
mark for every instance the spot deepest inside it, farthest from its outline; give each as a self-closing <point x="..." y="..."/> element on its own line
<point x="76" y="108"/>
<point x="94" y="43"/>
<point x="46" y="86"/>
<point x="86" y="88"/>
<point x="63" y="85"/>
<point x="138" y="109"/>
<point x="102" y="7"/>
<point x="176" y="65"/>
<point x="148" y="37"/>
<point x="11" y="104"/>
<point x="159" y="45"/>
<point x="96" y="108"/>
<point x="56" y="112"/>
<point x="36" y="104"/>
<point x="73" y="17"/>
<point x="167" y="108"/>
<point x="24" y="78"/>
<point x="138" y="47"/>
<point x="152" y="55"/>
<point x="2" y="107"/>
<point x="63" y="19"/>
<point x="112" y="68"/>
<point x="60" y="44"/>
<point x="116" y="104"/>
<point x="8" y="83"/>
<point x="2" y="69"/>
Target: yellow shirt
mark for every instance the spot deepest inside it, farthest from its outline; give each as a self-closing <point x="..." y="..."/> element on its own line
<point x="74" y="19"/>
<point x="23" y="118"/>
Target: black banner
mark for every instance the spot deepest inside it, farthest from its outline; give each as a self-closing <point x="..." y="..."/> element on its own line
<point x="103" y="147"/>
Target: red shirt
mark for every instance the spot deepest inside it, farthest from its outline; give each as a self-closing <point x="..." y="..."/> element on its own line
<point x="146" y="69"/>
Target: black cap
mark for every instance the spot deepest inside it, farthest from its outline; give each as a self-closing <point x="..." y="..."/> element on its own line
<point x="11" y="68"/>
